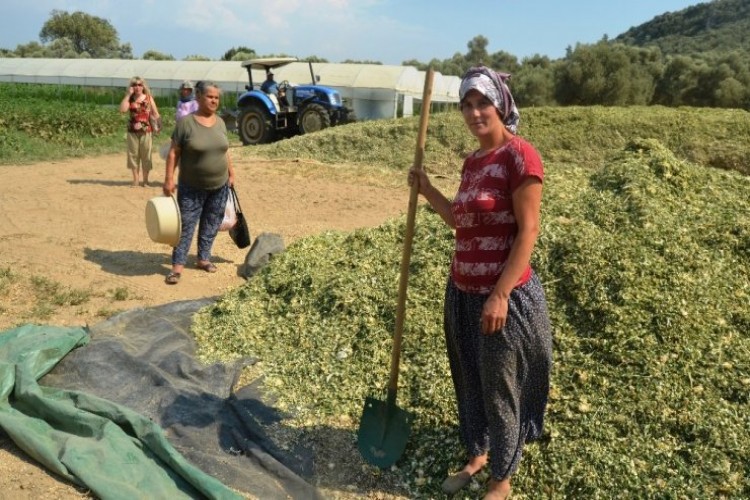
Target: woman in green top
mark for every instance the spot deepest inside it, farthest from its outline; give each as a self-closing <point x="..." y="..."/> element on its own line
<point x="201" y="149"/>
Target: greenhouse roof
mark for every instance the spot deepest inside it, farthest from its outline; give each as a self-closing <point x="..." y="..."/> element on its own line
<point x="229" y="75"/>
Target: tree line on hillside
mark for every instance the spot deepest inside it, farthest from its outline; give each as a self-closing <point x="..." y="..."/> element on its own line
<point x="615" y="74"/>
<point x="718" y="25"/>
<point x="630" y="70"/>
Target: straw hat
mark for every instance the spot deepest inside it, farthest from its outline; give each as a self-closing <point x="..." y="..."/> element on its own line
<point x="163" y="220"/>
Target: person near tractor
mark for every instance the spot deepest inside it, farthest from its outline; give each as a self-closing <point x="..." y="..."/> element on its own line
<point x="139" y="102"/>
<point x="187" y="103"/>
<point x="497" y="327"/>
<point x="270" y="86"/>
<point x="201" y="149"/>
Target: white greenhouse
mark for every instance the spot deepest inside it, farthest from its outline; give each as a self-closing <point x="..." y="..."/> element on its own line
<point x="375" y="91"/>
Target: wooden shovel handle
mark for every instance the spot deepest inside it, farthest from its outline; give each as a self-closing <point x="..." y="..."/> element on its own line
<point x="409" y="236"/>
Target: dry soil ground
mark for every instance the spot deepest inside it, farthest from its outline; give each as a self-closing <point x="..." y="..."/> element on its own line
<point x="78" y="226"/>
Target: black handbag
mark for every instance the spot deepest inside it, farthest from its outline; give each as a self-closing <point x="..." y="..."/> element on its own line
<point x="240" y="232"/>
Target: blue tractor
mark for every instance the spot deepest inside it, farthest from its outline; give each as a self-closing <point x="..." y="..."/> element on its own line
<point x="288" y="110"/>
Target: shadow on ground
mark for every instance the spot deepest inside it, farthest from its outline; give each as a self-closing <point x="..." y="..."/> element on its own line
<point x="132" y="263"/>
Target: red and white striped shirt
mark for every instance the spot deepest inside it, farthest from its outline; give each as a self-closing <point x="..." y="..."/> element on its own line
<point x="483" y="211"/>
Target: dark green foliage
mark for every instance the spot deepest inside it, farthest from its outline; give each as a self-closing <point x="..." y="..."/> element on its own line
<point x="89" y="35"/>
<point x="706" y="51"/>
<point x="154" y="55"/>
<point x="40" y="122"/>
<point x="603" y="73"/>
<point x="534" y="83"/>
<point x="244" y="52"/>
<point x="57" y="121"/>
<point x="698" y="56"/>
<point x="718" y="25"/>
<point x="709" y="79"/>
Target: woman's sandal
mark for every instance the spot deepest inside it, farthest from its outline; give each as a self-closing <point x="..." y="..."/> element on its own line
<point x="209" y="267"/>
<point x="496" y="495"/>
<point x="455" y="482"/>
<point x="172" y="278"/>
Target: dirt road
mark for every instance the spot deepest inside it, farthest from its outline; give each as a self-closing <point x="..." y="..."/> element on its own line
<point x="79" y="225"/>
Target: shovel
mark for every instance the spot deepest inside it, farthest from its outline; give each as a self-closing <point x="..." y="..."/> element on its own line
<point x="384" y="428"/>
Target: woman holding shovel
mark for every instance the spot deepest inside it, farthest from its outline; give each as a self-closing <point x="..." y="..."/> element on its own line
<point x="497" y="328"/>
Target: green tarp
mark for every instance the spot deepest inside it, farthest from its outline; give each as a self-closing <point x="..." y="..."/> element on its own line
<point x="115" y="452"/>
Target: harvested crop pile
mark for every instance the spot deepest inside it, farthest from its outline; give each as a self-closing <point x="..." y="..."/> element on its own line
<point x="646" y="263"/>
<point x="581" y="135"/>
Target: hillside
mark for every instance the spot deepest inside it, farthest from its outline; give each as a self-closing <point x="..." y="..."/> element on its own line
<point x="720" y="25"/>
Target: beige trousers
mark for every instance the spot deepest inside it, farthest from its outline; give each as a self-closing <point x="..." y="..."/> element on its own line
<point x="139" y="151"/>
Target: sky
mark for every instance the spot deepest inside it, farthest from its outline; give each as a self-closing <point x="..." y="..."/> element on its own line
<point x="387" y="31"/>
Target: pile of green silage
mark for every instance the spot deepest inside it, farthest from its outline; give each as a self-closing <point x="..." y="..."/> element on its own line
<point x="646" y="265"/>
<point x="579" y="135"/>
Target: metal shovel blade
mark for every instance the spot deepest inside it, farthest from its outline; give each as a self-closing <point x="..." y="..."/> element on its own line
<point x="383" y="432"/>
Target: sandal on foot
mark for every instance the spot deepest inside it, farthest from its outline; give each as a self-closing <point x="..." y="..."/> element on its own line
<point x="455" y="482"/>
<point x="498" y="495"/>
<point x="172" y="278"/>
<point x="208" y="267"/>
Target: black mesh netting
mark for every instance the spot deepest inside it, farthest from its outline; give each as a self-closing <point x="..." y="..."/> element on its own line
<point x="144" y="359"/>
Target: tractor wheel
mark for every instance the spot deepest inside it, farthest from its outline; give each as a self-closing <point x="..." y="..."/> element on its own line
<point x="313" y="119"/>
<point x="254" y="126"/>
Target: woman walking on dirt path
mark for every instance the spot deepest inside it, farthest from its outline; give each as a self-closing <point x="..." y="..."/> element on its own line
<point x="141" y="105"/>
<point x="497" y="328"/>
<point x="201" y="149"/>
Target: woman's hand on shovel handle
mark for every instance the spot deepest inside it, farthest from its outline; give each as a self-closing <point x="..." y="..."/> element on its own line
<point x="439" y="202"/>
<point x="419" y="176"/>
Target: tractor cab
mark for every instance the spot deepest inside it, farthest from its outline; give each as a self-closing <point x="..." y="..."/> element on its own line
<point x="267" y="65"/>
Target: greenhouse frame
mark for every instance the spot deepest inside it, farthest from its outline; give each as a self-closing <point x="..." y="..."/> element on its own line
<point x="375" y="91"/>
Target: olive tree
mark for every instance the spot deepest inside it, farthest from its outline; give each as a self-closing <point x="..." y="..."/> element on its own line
<point x="88" y="34"/>
<point x="240" y="53"/>
<point x="155" y="55"/>
<point x="607" y="74"/>
<point x="477" y="53"/>
<point x="533" y="84"/>
<point x="676" y="82"/>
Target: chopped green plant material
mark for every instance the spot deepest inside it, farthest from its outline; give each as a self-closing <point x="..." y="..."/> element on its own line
<point x="646" y="265"/>
<point x="580" y="135"/>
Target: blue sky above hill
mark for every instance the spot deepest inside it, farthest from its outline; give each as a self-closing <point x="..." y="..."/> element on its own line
<point x="389" y="31"/>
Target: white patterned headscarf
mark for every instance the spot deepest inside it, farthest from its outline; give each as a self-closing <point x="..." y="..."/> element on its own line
<point x="491" y="84"/>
